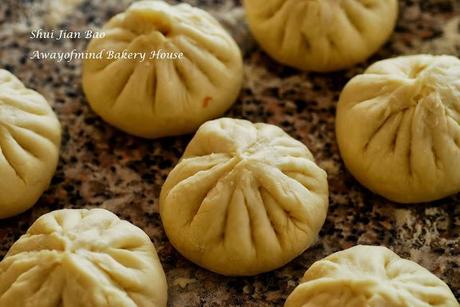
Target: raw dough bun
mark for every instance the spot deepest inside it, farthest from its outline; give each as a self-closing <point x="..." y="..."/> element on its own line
<point x="160" y="97"/>
<point x="79" y="257"/>
<point x="30" y="136"/>
<point x="321" y="35"/>
<point x="244" y="199"/>
<point x="371" y="276"/>
<point x="398" y="127"/>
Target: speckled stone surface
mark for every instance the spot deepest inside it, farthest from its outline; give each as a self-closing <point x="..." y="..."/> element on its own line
<point x="102" y="167"/>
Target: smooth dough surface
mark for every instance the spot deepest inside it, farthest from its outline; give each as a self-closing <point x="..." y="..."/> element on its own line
<point x="321" y="35"/>
<point x="369" y="276"/>
<point x="81" y="258"/>
<point x="244" y="199"/>
<point x="30" y="136"/>
<point x="160" y="97"/>
<point x="398" y="127"/>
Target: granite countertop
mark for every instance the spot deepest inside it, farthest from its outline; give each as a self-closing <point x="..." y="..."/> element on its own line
<point x="102" y="167"/>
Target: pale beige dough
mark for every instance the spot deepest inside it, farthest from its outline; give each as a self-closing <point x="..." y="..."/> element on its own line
<point x="159" y="97"/>
<point x="244" y="199"/>
<point x="398" y="127"/>
<point x="321" y="35"/>
<point x="30" y="136"/>
<point x="369" y="276"/>
<point x="81" y="258"/>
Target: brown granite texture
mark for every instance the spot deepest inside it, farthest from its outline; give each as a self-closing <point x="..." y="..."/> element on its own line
<point x="102" y="167"/>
